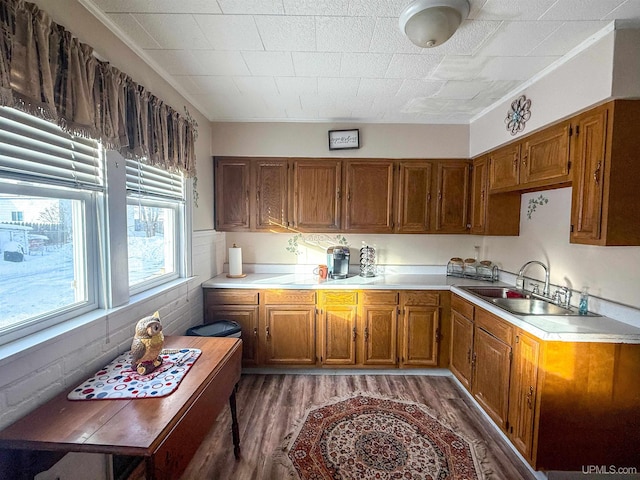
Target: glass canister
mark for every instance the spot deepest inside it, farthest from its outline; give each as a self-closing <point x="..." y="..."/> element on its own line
<point x="367" y="261"/>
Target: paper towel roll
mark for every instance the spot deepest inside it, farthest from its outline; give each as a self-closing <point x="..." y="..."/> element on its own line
<point x="235" y="261"/>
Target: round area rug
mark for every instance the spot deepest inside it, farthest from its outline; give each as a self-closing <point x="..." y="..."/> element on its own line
<point x="373" y="438"/>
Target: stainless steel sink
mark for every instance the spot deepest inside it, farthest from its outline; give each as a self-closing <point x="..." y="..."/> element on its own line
<point x="520" y="302"/>
<point x="498" y="292"/>
<point x="531" y="306"/>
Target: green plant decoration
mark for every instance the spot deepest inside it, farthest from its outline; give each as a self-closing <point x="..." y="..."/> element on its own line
<point x="292" y="244"/>
<point x="535" y="203"/>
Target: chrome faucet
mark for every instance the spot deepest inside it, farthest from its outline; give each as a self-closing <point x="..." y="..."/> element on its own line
<point x="520" y="279"/>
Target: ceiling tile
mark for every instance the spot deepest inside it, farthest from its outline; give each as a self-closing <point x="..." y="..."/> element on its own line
<point x="513" y="10"/>
<point x="220" y="63"/>
<point x="381" y="8"/>
<point x="518" y="38"/>
<point x="269" y="63"/>
<point x="295" y="34"/>
<point x="581" y="9"/>
<point x="213" y="85"/>
<point x="495" y="90"/>
<point x="230" y="32"/>
<point x="338" y="86"/>
<point x="569" y="36"/>
<point x="365" y="65"/>
<point x="315" y="64"/>
<point x="629" y="10"/>
<point x="251" y="7"/>
<point x="173" y="31"/>
<point x="514" y="68"/>
<point x="419" y="88"/>
<point x="460" y="90"/>
<point x="387" y="38"/>
<point x="178" y="62"/>
<point x="158" y="6"/>
<point x="339" y="34"/>
<point x="130" y="26"/>
<point x="297" y="85"/>
<point x="467" y="40"/>
<point x="459" y="67"/>
<point x="315" y="7"/>
<point x="256" y="85"/>
<point x="412" y="66"/>
<point x="379" y="86"/>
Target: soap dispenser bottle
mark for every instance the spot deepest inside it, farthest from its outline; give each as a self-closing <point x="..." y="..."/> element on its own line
<point x="583" y="306"/>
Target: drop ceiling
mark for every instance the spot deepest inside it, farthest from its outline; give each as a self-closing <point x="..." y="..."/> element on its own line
<point x="346" y="60"/>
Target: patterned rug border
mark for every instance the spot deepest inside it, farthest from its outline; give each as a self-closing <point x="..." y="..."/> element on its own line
<point x="279" y="467"/>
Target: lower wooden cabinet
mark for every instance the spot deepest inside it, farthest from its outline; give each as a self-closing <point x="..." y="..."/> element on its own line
<point x="563" y="405"/>
<point x="334" y="328"/>
<point x="288" y="318"/>
<point x="522" y="401"/>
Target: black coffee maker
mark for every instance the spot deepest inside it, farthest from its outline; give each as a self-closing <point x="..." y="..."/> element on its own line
<point x="338" y="261"/>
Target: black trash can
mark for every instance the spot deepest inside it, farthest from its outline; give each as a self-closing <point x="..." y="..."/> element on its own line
<point x="222" y="328"/>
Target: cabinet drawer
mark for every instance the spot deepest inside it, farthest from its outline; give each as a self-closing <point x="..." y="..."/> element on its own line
<point x="420" y="298"/>
<point x="461" y="306"/>
<point x="379" y="297"/>
<point x="289" y="297"/>
<point x="339" y="297"/>
<point x="495" y="326"/>
<point x="231" y="297"/>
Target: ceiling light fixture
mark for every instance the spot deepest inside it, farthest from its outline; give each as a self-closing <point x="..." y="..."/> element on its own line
<point x="429" y="23"/>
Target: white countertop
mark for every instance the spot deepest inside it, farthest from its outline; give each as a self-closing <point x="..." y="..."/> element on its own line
<point x="546" y="327"/>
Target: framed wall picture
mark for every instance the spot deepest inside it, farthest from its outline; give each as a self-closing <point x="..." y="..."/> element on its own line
<point x="344" y="139"/>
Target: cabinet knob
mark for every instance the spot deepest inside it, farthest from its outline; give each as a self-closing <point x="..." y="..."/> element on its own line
<point x="596" y="174"/>
<point x="255" y="332"/>
<point x="267" y="331"/>
<point x="366" y="333"/>
<point x="354" y="334"/>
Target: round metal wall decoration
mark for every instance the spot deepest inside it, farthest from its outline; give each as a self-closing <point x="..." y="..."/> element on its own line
<point x="518" y="115"/>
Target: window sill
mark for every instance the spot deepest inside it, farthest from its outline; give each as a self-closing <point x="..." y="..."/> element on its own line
<point x="22" y="346"/>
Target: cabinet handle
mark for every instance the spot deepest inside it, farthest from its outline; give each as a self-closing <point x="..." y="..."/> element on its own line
<point x="440" y="195"/>
<point x="469" y="356"/>
<point x="515" y="160"/>
<point x="255" y="331"/>
<point x="338" y="194"/>
<point x="267" y="331"/>
<point x="349" y="195"/>
<point x="354" y="334"/>
<point x="524" y="160"/>
<point x="530" y="398"/>
<point x="473" y="359"/>
<point x="596" y="174"/>
<point x="366" y="333"/>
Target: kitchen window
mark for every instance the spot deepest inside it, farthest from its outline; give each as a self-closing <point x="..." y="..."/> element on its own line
<point x="56" y="257"/>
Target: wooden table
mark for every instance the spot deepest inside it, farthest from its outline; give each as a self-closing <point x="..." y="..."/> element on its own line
<point x="165" y="431"/>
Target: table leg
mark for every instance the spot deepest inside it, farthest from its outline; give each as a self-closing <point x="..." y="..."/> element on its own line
<point x="234" y="423"/>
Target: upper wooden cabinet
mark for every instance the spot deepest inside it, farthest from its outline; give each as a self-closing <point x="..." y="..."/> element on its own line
<point x="452" y="197"/>
<point x="317" y="195"/>
<point x="606" y="200"/>
<point x="271" y="194"/>
<point x="369" y="189"/>
<point x="492" y="214"/>
<point x="341" y="195"/>
<point x="232" y="180"/>
<point x="538" y="161"/>
<point x="415" y="181"/>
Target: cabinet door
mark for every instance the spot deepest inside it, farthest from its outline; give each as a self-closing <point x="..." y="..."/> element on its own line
<point x="504" y="167"/>
<point x="247" y="317"/>
<point x="479" y="194"/>
<point x="369" y="196"/>
<point x="545" y="157"/>
<point x="289" y="335"/>
<point x="461" y="348"/>
<point x="271" y="210"/>
<point x="420" y="336"/>
<point x="380" y="334"/>
<point x="452" y="200"/>
<point x="414" y="197"/>
<point x="232" y="180"/>
<point x="588" y="159"/>
<point x="491" y="370"/>
<point x="522" y="398"/>
<point x="317" y="195"/>
<point x="338" y="335"/>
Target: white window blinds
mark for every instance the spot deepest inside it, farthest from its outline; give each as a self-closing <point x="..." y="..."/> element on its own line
<point x="35" y="150"/>
<point x="147" y="181"/>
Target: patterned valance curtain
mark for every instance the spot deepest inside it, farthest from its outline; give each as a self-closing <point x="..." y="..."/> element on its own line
<point x="47" y="72"/>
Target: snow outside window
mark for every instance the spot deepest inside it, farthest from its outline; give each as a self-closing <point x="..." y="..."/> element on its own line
<point x="155" y="203"/>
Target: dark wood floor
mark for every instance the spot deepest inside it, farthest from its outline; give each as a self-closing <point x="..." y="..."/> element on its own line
<point x="268" y="406"/>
